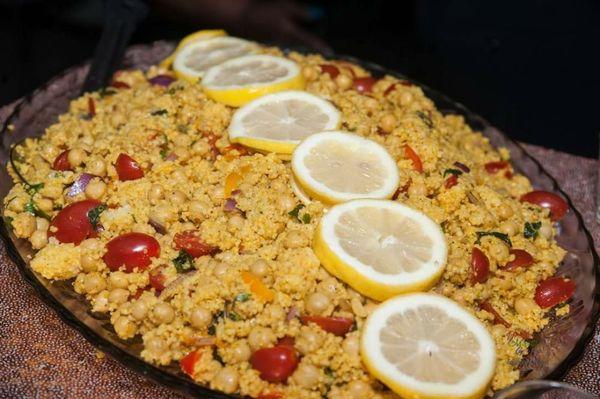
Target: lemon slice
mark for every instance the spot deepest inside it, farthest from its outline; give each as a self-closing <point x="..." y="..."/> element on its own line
<point x="301" y="194"/>
<point x="425" y="345"/>
<point x="278" y="122"/>
<point x="199" y="35"/>
<point x="381" y="248"/>
<point x="337" y="166"/>
<point x="200" y="54"/>
<point x="240" y="80"/>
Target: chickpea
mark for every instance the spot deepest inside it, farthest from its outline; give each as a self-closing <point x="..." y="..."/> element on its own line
<point x="53" y="191"/>
<point x="278" y="186"/>
<point x="198" y="210"/>
<point x="546" y="230"/>
<point x="417" y="188"/>
<point x="240" y="352"/>
<point x="139" y="310"/>
<point x="275" y="312"/>
<point x="498" y="330"/>
<point x="309" y="72"/>
<point x="41" y="224"/>
<point x="177" y="197"/>
<point x="226" y="380"/>
<point x="286" y="202"/>
<point x="156" y="345"/>
<point x="236" y="222"/>
<point x="45" y="204"/>
<point x="525" y="306"/>
<point x="49" y="153"/>
<point x="76" y="157"/>
<point x="94" y="283"/>
<point x="499" y="250"/>
<point x="88" y="263"/>
<point x="509" y="227"/>
<point x="306" y="375"/>
<point x="359" y="390"/>
<point x="200" y="318"/>
<point x="39" y="239"/>
<point x="24" y="225"/>
<point x="91" y="244"/>
<point x="371" y="103"/>
<point x="317" y="303"/>
<point x="182" y="140"/>
<point x="118" y="296"/>
<point x="260" y="337"/>
<point x="179" y="176"/>
<point x="344" y="82"/>
<point x="259" y="268"/>
<point x="505" y="211"/>
<point x="201" y="147"/>
<point x="118" y="279"/>
<point x="181" y="152"/>
<point x="328" y="287"/>
<point x="155" y="193"/>
<point x="96" y="167"/>
<point x="294" y="239"/>
<point x="406" y="98"/>
<point x="95" y="189"/>
<point x="163" y="313"/>
<point x="221" y="268"/>
<point x="388" y="123"/>
<point x="124" y="327"/>
<point x="351" y="345"/>
<point x="308" y="341"/>
<point x="161" y="214"/>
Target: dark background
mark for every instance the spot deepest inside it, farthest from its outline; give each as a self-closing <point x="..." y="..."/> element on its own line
<point x="529" y="67"/>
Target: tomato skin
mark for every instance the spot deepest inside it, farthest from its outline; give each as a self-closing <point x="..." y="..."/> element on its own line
<point x="131" y="250"/>
<point x="62" y="162"/>
<point x="451" y="182"/>
<point x="119" y="85"/>
<point x="480" y="266"/>
<point x="390" y="89"/>
<point x="192" y="243"/>
<point x="364" y="85"/>
<point x="558" y="207"/>
<point x="494" y="167"/>
<point x="72" y="223"/>
<point x="275" y="364"/>
<point x="485" y="305"/>
<point x="188" y="362"/>
<point x="336" y="325"/>
<point x="553" y="291"/>
<point x="414" y="157"/>
<point x="271" y="395"/>
<point x="91" y="107"/>
<point x="157" y="280"/>
<point x="127" y="168"/>
<point x="331" y="70"/>
<point x="522" y="259"/>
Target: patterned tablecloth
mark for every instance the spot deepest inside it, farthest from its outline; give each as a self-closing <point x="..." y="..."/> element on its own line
<point x="41" y="357"/>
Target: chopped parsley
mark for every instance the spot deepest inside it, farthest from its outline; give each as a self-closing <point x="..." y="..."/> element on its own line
<point x="532" y="230"/>
<point x="425" y="118"/>
<point x="454" y="172"/>
<point x="94" y="215"/>
<point x="159" y="112"/>
<point x="234" y="316"/>
<point x="498" y="235"/>
<point x="243" y="297"/>
<point x="183" y="262"/>
<point x="295" y="213"/>
<point x="32" y="208"/>
<point x="164" y="147"/>
<point x="216" y="356"/>
<point x="104" y="92"/>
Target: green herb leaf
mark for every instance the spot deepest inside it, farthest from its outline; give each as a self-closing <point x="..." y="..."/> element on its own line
<point x="164" y="148"/>
<point x="329" y="372"/>
<point x="94" y="215"/>
<point x="183" y="262"/>
<point x="498" y="235"/>
<point x="295" y="213"/>
<point x="532" y="230"/>
<point x="243" y="297"/>
<point x="9" y="220"/>
<point x="105" y="92"/>
<point x="234" y="316"/>
<point x="425" y="118"/>
<point x="216" y="355"/>
<point x="32" y="208"/>
<point x="454" y="172"/>
<point x="306" y="218"/>
<point x="34" y="188"/>
<point x="160" y="112"/>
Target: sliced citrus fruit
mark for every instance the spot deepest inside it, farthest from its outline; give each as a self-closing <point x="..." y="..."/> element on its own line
<point x="193" y="60"/>
<point x="424" y="345"/>
<point x="240" y="80"/>
<point x="338" y="166"/>
<point x="278" y="122"/>
<point x="381" y="248"/>
<point x="199" y="35"/>
<point x="301" y="194"/>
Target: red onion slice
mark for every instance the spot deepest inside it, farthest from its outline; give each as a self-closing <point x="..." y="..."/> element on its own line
<point x="162" y="80"/>
<point x="80" y="184"/>
<point x="292" y="313"/>
<point x="159" y="227"/>
<point x="230" y="205"/>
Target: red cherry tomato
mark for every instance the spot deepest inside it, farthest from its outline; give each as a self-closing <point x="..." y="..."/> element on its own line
<point x="390" y="89"/>
<point x="131" y="250"/>
<point x="119" y="85"/>
<point x="557" y="206"/>
<point x="494" y="167"/>
<point x="271" y="395"/>
<point x="553" y="291"/>
<point x="332" y="70"/>
<point x="71" y="224"/>
<point x="480" y="266"/>
<point x="91" y="107"/>
<point x="188" y="362"/>
<point x="416" y="160"/>
<point x="275" y="364"/>
<point x="485" y="305"/>
<point x="522" y="259"/>
<point x="127" y="168"/>
<point x="336" y="325"/>
<point x="157" y="280"/>
<point x="62" y="161"/>
<point x="451" y="182"/>
<point x="191" y="242"/>
<point x="364" y="85"/>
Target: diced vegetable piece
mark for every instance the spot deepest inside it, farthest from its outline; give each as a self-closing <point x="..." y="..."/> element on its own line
<point x="257" y="287"/>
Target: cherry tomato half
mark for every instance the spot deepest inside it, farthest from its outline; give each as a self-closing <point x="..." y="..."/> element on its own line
<point x="188" y="362"/>
<point x="336" y="325"/>
<point x="364" y="85"/>
<point x="416" y="160"/>
<point x="157" y="280"/>
<point x="71" y="224"/>
<point x="331" y="70"/>
<point x="117" y="84"/>
<point x="131" y="250"/>
<point x="557" y="206"/>
<point x="553" y="291"/>
<point x="485" y="305"/>
<point x="271" y="395"/>
<point x="62" y="162"/>
<point x="451" y="182"/>
<point x="275" y="364"/>
<point x="494" y="167"/>
<point x="191" y="242"/>
<point x="127" y="168"/>
<point x="480" y="266"/>
<point x="522" y="259"/>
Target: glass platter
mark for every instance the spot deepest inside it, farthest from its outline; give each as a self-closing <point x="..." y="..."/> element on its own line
<point x="560" y="343"/>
